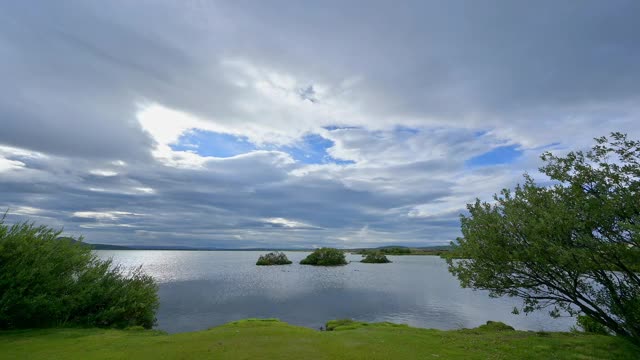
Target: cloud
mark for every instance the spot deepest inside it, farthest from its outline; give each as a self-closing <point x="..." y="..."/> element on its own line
<point x="243" y="124"/>
<point x="6" y="164"/>
<point x="106" y="215"/>
<point x="287" y="223"/>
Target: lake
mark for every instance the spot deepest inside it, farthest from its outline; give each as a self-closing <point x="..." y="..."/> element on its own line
<point x="202" y="289"/>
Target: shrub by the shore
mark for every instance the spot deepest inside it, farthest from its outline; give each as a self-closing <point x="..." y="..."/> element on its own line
<point x="495" y="326"/>
<point x="325" y="257"/>
<point x="375" y="258"/>
<point x="273" y="258"/>
<point x="49" y="282"/>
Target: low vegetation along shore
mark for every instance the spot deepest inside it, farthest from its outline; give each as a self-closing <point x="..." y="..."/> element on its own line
<point x="272" y="339"/>
<point x="402" y="250"/>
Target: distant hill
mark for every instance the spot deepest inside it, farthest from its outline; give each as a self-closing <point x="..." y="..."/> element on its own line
<point x="440" y="247"/>
<point x="389" y="249"/>
<point x="96" y="246"/>
<point x="108" y="247"/>
<point x="167" y="247"/>
<point x="434" y="247"/>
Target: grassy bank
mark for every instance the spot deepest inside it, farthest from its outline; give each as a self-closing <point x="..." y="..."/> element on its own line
<point x="272" y="339"/>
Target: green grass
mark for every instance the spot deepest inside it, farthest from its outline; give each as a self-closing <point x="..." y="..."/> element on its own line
<point x="272" y="339"/>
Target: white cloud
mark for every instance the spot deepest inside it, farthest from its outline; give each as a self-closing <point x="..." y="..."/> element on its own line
<point x="167" y="125"/>
<point x="146" y="190"/>
<point x="103" y="225"/>
<point x="102" y="172"/>
<point x="26" y="210"/>
<point x="286" y="223"/>
<point x="6" y="164"/>
<point x="104" y="215"/>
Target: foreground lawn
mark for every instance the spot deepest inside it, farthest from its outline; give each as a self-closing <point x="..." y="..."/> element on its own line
<point x="272" y="339"/>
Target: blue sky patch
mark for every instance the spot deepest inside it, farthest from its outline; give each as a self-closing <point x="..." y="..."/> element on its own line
<point x="407" y="130"/>
<point x="499" y="155"/>
<point x="313" y="150"/>
<point x="480" y="133"/>
<point x="209" y="143"/>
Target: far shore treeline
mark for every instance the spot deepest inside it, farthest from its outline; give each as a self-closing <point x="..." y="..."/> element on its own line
<point x="387" y="250"/>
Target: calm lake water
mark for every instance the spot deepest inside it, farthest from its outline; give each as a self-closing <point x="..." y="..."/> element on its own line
<point x="201" y="289"/>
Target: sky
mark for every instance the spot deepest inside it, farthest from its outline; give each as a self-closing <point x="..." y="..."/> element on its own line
<point x="297" y="124"/>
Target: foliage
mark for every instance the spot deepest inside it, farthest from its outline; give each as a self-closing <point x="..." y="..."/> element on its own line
<point x="395" y="250"/>
<point x="572" y="245"/>
<point x="495" y="326"/>
<point x="375" y="258"/>
<point x="333" y="324"/>
<point x="325" y="257"/>
<point x="401" y="250"/>
<point x="273" y="258"/>
<point x="96" y="246"/>
<point x="49" y="282"/>
<point x="349" y="324"/>
<point x="587" y="324"/>
<point x="257" y="339"/>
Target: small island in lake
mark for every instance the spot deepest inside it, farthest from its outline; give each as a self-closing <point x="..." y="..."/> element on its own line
<point x="325" y="257"/>
<point x="375" y="257"/>
<point x="273" y="258"/>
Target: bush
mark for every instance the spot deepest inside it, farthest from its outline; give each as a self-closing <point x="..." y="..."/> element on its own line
<point x="273" y="258"/>
<point x="589" y="325"/>
<point x="391" y="250"/>
<point x="333" y="324"/>
<point x="325" y="257"/>
<point x="375" y="258"/>
<point x="495" y="326"/>
<point x="49" y="282"/>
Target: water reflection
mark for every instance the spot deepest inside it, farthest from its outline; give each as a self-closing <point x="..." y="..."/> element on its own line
<point x="201" y="289"/>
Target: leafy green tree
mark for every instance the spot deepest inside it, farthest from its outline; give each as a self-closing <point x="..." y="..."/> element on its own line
<point x="587" y="324"/>
<point x="325" y="257"/>
<point x="375" y="257"/>
<point x="273" y="258"/>
<point x="46" y="281"/>
<point x="572" y="245"/>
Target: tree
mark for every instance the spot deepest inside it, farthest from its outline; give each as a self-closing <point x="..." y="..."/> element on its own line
<point x="46" y="281"/>
<point x="572" y="246"/>
<point x="375" y="257"/>
<point x="325" y="257"/>
<point x="273" y="258"/>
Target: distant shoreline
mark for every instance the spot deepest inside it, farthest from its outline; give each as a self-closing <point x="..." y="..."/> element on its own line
<point x="427" y="250"/>
<point x="355" y="252"/>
